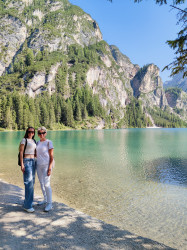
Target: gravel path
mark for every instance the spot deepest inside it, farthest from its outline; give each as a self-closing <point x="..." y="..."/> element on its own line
<point x="61" y="228"/>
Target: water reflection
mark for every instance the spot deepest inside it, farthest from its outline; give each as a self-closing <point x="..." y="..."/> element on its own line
<point x="167" y="170"/>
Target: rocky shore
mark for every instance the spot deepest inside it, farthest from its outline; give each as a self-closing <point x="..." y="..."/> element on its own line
<point x="61" y="228"/>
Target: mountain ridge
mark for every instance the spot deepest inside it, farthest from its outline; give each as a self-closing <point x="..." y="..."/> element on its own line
<point x="177" y="81"/>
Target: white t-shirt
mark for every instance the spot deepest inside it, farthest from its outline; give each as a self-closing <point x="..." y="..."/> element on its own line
<point x="31" y="146"/>
<point x="42" y="150"/>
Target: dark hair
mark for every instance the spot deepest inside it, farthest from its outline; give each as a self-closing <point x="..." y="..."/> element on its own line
<point x="26" y="133"/>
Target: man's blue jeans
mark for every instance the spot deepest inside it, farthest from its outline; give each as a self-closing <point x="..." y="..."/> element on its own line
<point x="29" y="180"/>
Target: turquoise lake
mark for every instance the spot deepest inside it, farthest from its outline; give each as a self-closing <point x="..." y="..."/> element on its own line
<point x="135" y="179"/>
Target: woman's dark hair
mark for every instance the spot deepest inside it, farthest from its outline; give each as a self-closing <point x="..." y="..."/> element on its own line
<point x="26" y="133"/>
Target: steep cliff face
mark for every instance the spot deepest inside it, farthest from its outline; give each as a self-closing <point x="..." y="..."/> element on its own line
<point x="109" y="87"/>
<point x="177" y="99"/>
<point x="12" y="36"/>
<point x="182" y="101"/>
<point x="148" y="85"/>
<point x="112" y="81"/>
<point x="172" y="99"/>
<point x="42" y="82"/>
<point x="124" y="62"/>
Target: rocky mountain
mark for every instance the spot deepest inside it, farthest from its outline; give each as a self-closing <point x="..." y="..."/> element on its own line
<point x="177" y="99"/>
<point x="177" y="81"/>
<point x="51" y="25"/>
<point x="55" y="47"/>
<point x="148" y="86"/>
<point x="176" y="94"/>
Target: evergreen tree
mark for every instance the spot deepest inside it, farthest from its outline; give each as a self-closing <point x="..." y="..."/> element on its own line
<point x="39" y="56"/>
<point x="98" y="107"/>
<point x="61" y="79"/>
<point x="86" y="95"/>
<point x="37" y="113"/>
<point x="77" y="113"/>
<point x="14" y="125"/>
<point x="52" y="116"/>
<point x="32" y="110"/>
<point x="70" y="119"/>
<point x="0" y="111"/>
<point x="84" y="113"/>
<point x="26" y="116"/>
<point x="91" y="107"/>
<point x="58" y="113"/>
<point x="29" y="57"/>
<point x="44" y="117"/>
<point x="18" y="107"/>
<point x="8" y="120"/>
<point x="3" y="110"/>
<point x="64" y="112"/>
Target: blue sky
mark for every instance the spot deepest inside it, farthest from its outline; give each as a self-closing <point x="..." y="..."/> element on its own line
<point x="139" y="30"/>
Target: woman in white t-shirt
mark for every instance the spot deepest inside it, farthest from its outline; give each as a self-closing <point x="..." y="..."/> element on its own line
<point x="28" y="166"/>
<point x="44" y="151"/>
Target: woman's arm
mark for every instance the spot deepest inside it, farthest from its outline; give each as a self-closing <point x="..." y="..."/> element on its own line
<point x="50" y="161"/>
<point x="21" y="150"/>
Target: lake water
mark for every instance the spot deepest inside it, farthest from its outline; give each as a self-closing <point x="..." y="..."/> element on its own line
<point x="135" y="179"/>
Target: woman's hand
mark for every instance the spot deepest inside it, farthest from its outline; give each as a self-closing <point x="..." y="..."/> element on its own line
<point x="21" y="150"/>
<point x="23" y="168"/>
<point x="49" y="172"/>
<point x="50" y="162"/>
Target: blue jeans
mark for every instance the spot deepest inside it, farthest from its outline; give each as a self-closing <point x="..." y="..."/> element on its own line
<point x="29" y="180"/>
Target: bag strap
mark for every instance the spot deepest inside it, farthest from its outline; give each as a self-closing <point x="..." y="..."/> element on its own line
<point x="25" y="146"/>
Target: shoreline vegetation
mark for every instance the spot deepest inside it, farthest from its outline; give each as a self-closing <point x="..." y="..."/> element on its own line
<point x="71" y="129"/>
<point x="80" y="129"/>
<point x="6" y="130"/>
<point x="83" y="111"/>
<point x="73" y="229"/>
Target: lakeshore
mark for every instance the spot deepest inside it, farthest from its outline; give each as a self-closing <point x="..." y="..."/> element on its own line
<point x="61" y="228"/>
<point x="134" y="179"/>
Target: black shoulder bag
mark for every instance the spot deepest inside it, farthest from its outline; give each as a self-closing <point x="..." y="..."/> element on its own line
<point x="19" y="161"/>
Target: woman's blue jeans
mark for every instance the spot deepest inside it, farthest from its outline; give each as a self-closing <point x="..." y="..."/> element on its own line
<point x="29" y="180"/>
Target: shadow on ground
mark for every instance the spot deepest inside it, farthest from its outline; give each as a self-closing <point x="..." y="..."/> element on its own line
<point x="61" y="228"/>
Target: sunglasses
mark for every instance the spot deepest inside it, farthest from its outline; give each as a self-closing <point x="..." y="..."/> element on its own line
<point x="29" y="132"/>
<point x="41" y="133"/>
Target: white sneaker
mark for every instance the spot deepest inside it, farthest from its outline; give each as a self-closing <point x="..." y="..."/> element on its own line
<point x="48" y="207"/>
<point x="29" y="210"/>
<point x="41" y="202"/>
